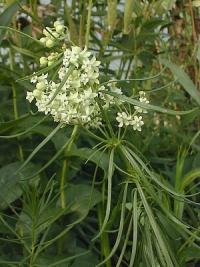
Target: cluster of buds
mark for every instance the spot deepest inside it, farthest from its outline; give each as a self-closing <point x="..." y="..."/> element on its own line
<point x="48" y="61"/>
<point x="52" y="35"/>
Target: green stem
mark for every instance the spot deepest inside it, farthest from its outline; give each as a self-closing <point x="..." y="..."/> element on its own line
<point x="32" y="254"/>
<point x="88" y="23"/>
<point x="104" y="239"/>
<point x="15" y="110"/>
<point x="65" y="166"/>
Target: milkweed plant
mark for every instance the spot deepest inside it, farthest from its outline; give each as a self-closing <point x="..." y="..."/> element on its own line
<point x="75" y="96"/>
<point x="133" y="215"/>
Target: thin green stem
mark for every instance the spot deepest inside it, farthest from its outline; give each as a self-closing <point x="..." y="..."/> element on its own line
<point x="88" y="23"/>
<point x="65" y="166"/>
<point x="15" y="110"/>
<point x="135" y="79"/>
<point x="104" y="239"/>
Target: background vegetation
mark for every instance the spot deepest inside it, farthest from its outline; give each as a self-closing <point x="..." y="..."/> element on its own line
<point x="131" y="201"/>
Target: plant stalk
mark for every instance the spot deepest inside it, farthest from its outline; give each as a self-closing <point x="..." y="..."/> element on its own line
<point x="65" y="167"/>
<point x="88" y="24"/>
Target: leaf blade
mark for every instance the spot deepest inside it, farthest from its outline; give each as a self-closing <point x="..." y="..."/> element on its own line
<point x="184" y="80"/>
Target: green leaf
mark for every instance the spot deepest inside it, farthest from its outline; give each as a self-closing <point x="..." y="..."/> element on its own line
<point x="4" y="126"/>
<point x="43" y="70"/>
<point x="150" y="107"/>
<point x="81" y="198"/>
<point x="86" y="261"/>
<point x="7" y="16"/>
<point x="98" y="157"/>
<point x="155" y="227"/>
<point x="183" y="79"/>
<point x="152" y="24"/>
<point x="189" y="178"/>
<point x="9" y="184"/>
<point x="10" y="189"/>
<point x="21" y="33"/>
<point x="43" y="143"/>
<point x="40" y="222"/>
<point x="196" y="3"/>
<point x="25" y="52"/>
<point x="189" y="254"/>
<point x="135" y="229"/>
<point x="63" y="261"/>
<point x="109" y="192"/>
<point x="28" y="130"/>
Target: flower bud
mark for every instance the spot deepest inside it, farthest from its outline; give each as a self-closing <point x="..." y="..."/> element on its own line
<point x="56" y="23"/>
<point x="43" y="40"/>
<point x="55" y="35"/>
<point x="50" y="63"/>
<point x="37" y="93"/>
<point x="43" y="61"/>
<point x="55" y="104"/>
<point x="52" y="56"/>
<point x="60" y="28"/>
<point x="50" y="43"/>
<point x="41" y="85"/>
<point x="47" y="33"/>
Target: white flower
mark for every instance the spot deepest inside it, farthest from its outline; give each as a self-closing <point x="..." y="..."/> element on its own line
<point x="43" y="77"/>
<point x="137" y="123"/>
<point x="123" y="119"/>
<point x="34" y="78"/>
<point x="144" y="100"/>
<point x="29" y="96"/>
<point x="116" y="90"/>
<point x="84" y="78"/>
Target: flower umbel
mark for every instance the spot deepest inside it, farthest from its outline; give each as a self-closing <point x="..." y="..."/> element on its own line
<point x="75" y="102"/>
<point x="75" y="95"/>
<point x="144" y="100"/>
<point x="125" y="119"/>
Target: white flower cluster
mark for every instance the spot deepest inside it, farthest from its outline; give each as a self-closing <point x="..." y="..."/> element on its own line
<point x="72" y="99"/>
<point x="74" y="96"/>
<point x="135" y="120"/>
<point x="144" y="100"/>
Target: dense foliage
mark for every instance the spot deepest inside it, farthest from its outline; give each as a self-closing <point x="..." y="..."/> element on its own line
<point x="99" y="133"/>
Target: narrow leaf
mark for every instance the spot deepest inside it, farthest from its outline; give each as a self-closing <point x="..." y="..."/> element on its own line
<point x="184" y="80"/>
